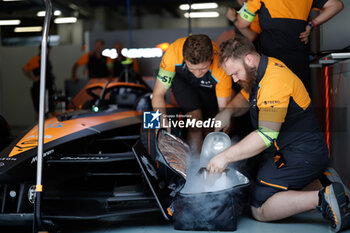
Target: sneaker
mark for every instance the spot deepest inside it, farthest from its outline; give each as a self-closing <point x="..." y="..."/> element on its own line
<point x="332" y="175"/>
<point x="334" y="206"/>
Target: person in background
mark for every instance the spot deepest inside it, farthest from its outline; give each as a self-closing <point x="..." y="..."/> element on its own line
<point x="95" y="62"/>
<point x="285" y="29"/>
<point x="201" y="88"/>
<point x="286" y="137"/>
<point x="117" y="65"/>
<point x="32" y="70"/>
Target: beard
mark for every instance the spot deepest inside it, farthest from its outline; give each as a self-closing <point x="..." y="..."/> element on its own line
<point x="252" y="74"/>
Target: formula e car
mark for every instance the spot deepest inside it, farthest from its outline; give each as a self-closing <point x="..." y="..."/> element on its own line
<point x="5" y="135"/>
<point x="89" y="169"/>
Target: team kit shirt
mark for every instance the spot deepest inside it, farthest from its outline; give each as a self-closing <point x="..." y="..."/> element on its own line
<point x="280" y="96"/>
<point x="33" y="65"/>
<point x="281" y="22"/>
<point x="173" y="63"/>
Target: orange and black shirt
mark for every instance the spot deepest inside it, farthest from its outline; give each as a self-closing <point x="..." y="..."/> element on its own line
<point x="280" y="96"/>
<point x="173" y="65"/>
<point x="281" y="22"/>
<point x="97" y="67"/>
<point x="33" y="65"/>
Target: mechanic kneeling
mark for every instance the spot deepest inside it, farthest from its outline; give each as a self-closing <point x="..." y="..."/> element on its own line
<point x="286" y="135"/>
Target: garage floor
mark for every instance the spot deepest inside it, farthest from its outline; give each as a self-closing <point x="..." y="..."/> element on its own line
<point x="310" y="222"/>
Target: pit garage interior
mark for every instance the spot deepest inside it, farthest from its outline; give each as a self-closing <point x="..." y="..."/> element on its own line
<point x="145" y="24"/>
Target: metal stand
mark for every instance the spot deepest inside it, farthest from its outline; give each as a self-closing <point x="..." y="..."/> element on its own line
<point x="37" y="223"/>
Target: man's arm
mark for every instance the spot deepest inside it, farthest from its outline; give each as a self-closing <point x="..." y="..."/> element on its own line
<point x="329" y="10"/>
<point x="242" y="23"/>
<point x="246" y="31"/>
<point x="74" y="72"/>
<point x="248" y="147"/>
<point x="30" y="75"/>
<point x="83" y="60"/>
<point x="238" y="106"/>
<point x="158" y="101"/>
<point x="223" y="102"/>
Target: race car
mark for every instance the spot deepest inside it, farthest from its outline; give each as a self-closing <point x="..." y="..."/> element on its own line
<point x="5" y="134"/>
<point x="89" y="168"/>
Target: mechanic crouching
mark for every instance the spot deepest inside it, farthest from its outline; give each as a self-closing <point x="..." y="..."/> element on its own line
<point x="200" y="86"/>
<point x="286" y="136"/>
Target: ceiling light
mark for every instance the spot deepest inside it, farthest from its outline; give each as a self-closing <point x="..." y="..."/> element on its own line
<point x="142" y="52"/>
<point x="111" y="53"/>
<point x="199" y="6"/>
<point x="12" y="0"/>
<point x="209" y="14"/>
<point x="10" y="22"/>
<point x="29" y="29"/>
<point x="42" y="13"/>
<point x="73" y="6"/>
<point x="65" y="20"/>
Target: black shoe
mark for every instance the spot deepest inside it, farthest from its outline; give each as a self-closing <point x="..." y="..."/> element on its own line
<point x="332" y="176"/>
<point x="334" y="206"/>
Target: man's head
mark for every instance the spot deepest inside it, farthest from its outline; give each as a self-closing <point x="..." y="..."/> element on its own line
<point x="198" y="54"/>
<point x="99" y="46"/>
<point x="240" y="60"/>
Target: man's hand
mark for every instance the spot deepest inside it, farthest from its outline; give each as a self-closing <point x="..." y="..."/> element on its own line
<point x="225" y="117"/>
<point x="218" y="164"/>
<point x="231" y="14"/>
<point x="304" y="36"/>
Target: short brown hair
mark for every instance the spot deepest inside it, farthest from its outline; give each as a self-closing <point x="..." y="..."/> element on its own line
<point x="236" y="48"/>
<point x="198" y="49"/>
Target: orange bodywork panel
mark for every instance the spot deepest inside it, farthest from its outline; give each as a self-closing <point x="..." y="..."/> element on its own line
<point x="55" y="129"/>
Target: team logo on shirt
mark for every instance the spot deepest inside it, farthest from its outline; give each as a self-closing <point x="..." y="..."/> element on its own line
<point x="206" y="84"/>
<point x="279" y="65"/>
<point x="272" y="102"/>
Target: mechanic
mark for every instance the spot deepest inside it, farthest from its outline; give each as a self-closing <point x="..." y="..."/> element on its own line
<point x="286" y="136"/>
<point x="116" y="65"/>
<point x="285" y="29"/>
<point x="200" y="87"/>
<point x="95" y="62"/>
<point x="32" y="70"/>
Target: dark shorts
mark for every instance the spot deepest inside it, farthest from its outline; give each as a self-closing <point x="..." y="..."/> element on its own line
<point x="192" y="98"/>
<point x="299" y="171"/>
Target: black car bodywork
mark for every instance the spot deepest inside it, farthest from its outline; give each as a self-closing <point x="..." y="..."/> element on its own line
<point x="90" y="170"/>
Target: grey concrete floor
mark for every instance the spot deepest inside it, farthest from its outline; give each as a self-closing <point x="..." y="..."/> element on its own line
<point x="310" y="222"/>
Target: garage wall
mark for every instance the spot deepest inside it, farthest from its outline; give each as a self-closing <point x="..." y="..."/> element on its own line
<point x="340" y="118"/>
<point x="15" y="100"/>
<point x="150" y="38"/>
